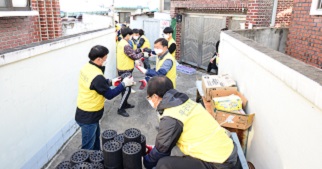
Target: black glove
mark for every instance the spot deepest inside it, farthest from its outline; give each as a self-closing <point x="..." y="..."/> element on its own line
<point x="147" y="50"/>
<point x="124" y="75"/>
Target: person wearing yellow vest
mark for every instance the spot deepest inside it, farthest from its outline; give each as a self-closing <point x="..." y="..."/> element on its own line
<point x="168" y="31"/>
<point x="93" y="89"/>
<point x="188" y="125"/>
<point x="125" y="56"/>
<point x="165" y="64"/>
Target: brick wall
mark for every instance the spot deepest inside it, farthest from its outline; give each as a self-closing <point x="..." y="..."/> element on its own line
<point x="50" y="21"/>
<point x="283" y="14"/>
<point x="18" y="31"/>
<point x="305" y="34"/>
<point x="259" y="12"/>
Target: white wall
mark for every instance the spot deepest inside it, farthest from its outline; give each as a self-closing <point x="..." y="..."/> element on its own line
<point x="286" y="132"/>
<point x="138" y="22"/>
<point x="38" y="89"/>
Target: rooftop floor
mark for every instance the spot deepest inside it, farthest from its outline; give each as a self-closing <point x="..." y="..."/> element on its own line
<point x="142" y="117"/>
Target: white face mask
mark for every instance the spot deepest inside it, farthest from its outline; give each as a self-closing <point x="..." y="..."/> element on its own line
<point x="158" y="51"/>
<point x="135" y="37"/>
<point x="104" y="63"/>
<point x="151" y="103"/>
<point x="166" y="36"/>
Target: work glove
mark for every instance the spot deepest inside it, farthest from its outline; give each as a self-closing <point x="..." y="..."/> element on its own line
<point x="116" y="81"/>
<point x="143" y="85"/>
<point x="138" y="63"/>
<point x="149" y="148"/>
<point x="146" y="54"/>
<point x="141" y="69"/>
<point x="128" y="81"/>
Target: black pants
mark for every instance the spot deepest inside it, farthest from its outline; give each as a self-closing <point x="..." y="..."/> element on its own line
<point x="187" y="162"/>
<point x="212" y="66"/>
<point x="125" y="94"/>
<point x="146" y="63"/>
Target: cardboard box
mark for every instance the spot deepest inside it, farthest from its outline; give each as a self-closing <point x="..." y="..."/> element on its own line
<point x="222" y="93"/>
<point x="214" y="82"/>
<point x="239" y="121"/>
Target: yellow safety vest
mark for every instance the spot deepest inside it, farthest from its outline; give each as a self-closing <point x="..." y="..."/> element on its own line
<point x="123" y="61"/>
<point x="202" y="137"/>
<point x="89" y="100"/>
<point x="172" y="73"/>
<point x="171" y="41"/>
<point x="134" y="45"/>
<point x="146" y="43"/>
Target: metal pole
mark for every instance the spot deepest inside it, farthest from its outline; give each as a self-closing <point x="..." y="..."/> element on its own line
<point x="274" y="13"/>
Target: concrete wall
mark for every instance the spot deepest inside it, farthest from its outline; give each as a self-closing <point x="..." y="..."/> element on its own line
<point x="286" y="97"/>
<point x="38" y="92"/>
<point x="274" y="38"/>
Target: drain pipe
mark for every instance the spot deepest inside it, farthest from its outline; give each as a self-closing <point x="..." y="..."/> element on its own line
<point x="274" y="13"/>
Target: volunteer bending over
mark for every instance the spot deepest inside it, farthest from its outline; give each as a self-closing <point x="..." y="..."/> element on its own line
<point x="165" y="64"/>
<point x="93" y="88"/>
<point x="188" y="125"/>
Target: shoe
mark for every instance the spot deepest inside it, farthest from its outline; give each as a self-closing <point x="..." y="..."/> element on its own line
<point x="128" y="106"/>
<point x="143" y="84"/>
<point x="122" y="112"/>
<point x="133" y="91"/>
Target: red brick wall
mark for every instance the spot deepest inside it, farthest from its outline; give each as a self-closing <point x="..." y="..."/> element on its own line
<point x="50" y="21"/>
<point x="259" y="12"/>
<point x="18" y="31"/>
<point x="283" y="14"/>
<point x="305" y="34"/>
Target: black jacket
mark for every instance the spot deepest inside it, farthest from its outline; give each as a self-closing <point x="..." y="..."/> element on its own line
<point x="170" y="129"/>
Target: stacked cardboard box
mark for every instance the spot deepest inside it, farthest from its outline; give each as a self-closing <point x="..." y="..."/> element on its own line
<point x="215" y="86"/>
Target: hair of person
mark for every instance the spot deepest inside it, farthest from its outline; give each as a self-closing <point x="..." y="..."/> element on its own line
<point x="224" y="29"/>
<point x="159" y="85"/>
<point x="163" y="42"/>
<point x="135" y="31"/>
<point x="168" y="30"/>
<point x="141" y="32"/>
<point x="126" y="31"/>
<point x="97" y="51"/>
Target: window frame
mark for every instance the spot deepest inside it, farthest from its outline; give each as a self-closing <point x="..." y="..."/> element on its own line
<point x="9" y="6"/>
<point x="125" y="14"/>
<point x="163" y="5"/>
<point x="316" y="7"/>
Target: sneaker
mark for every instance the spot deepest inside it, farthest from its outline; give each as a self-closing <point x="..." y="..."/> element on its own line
<point x="128" y="106"/>
<point x="122" y="112"/>
<point x="133" y="91"/>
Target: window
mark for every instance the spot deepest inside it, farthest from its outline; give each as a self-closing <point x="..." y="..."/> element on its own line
<point x="166" y="5"/>
<point x="15" y="5"/>
<point x="316" y="7"/>
<point x="124" y="17"/>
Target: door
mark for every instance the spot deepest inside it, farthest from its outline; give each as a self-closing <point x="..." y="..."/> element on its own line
<point x="200" y="34"/>
<point x="151" y="30"/>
